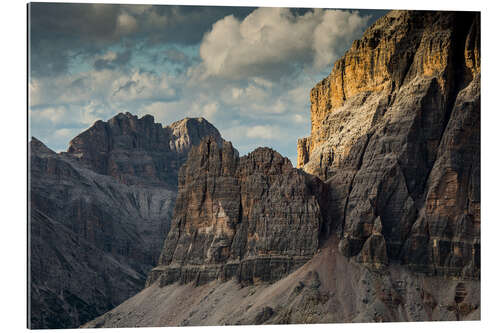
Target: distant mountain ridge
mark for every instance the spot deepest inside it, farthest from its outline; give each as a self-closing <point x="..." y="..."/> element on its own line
<point x="110" y="196"/>
<point x="138" y="150"/>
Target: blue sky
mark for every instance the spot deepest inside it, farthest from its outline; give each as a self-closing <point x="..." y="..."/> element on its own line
<point x="247" y="70"/>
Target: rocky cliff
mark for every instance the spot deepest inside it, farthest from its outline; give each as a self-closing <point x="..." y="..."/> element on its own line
<point x="110" y="196"/>
<point x="254" y="218"/>
<point x="395" y="135"/>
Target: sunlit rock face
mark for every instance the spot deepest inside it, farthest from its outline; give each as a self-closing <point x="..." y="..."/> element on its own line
<point x="395" y="134"/>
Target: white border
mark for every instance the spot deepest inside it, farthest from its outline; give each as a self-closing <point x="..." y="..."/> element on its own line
<point x="13" y="165"/>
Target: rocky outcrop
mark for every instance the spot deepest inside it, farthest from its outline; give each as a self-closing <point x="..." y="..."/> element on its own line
<point x="395" y="135"/>
<point x="255" y="218"/>
<point x="120" y="212"/>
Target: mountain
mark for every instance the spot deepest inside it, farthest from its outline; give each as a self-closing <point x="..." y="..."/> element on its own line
<point x="99" y="214"/>
<point x="139" y="151"/>
<point x="254" y="218"/>
<point x="395" y="132"/>
<point x="384" y="208"/>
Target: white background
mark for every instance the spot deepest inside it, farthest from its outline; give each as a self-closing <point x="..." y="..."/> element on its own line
<point x="13" y="140"/>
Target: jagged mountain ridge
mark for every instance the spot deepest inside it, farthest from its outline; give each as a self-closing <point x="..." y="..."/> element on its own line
<point x="112" y="193"/>
<point x="137" y="150"/>
<point x="395" y="140"/>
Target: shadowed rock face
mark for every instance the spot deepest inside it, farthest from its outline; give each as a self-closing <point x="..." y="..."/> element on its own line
<point x="255" y="218"/>
<point x="110" y="196"/>
<point x="72" y="281"/>
<point x="395" y="134"/>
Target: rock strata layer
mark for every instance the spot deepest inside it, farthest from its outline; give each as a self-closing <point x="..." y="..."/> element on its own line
<point x="255" y="218"/>
<point x="395" y="135"/>
<point x="112" y="195"/>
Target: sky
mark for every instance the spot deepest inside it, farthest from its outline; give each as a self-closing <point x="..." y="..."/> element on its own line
<point x="248" y="71"/>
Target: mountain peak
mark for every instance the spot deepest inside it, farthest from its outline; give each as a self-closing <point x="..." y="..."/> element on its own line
<point x="134" y="149"/>
<point x="38" y="147"/>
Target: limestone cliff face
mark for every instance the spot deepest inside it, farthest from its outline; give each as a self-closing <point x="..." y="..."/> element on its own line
<point x="255" y="218"/>
<point x="111" y="196"/>
<point x="395" y="135"/>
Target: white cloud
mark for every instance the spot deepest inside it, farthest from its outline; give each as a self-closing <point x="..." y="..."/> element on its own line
<point x="54" y="115"/>
<point x="278" y="107"/>
<point x="126" y="24"/>
<point x="209" y="111"/>
<point x="109" y="56"/>
<point x="336" y="28"/>
<point x="104" y="86"/>
<point x="35" y="93"/>
<point x="263" y="132"/>
<point x="64" y="134"/>
<point x="299" y="119"/>
<point x="236" y="93"/>
<point x="241" y="95"/>
<point x="92" y="112"/>
<point x="252" y="94"/>
<point x="141" y="85"/>
<point x="163" y="112"/>
<point x="271" y="39"/>
<point x="300" y="93"/>
<point x="168" y="112"/>
<point x="262" y="82"/>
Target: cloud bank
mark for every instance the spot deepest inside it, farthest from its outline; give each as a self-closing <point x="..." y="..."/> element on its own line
<point x="270" y="42"/>
<point x="248" y="71"/>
